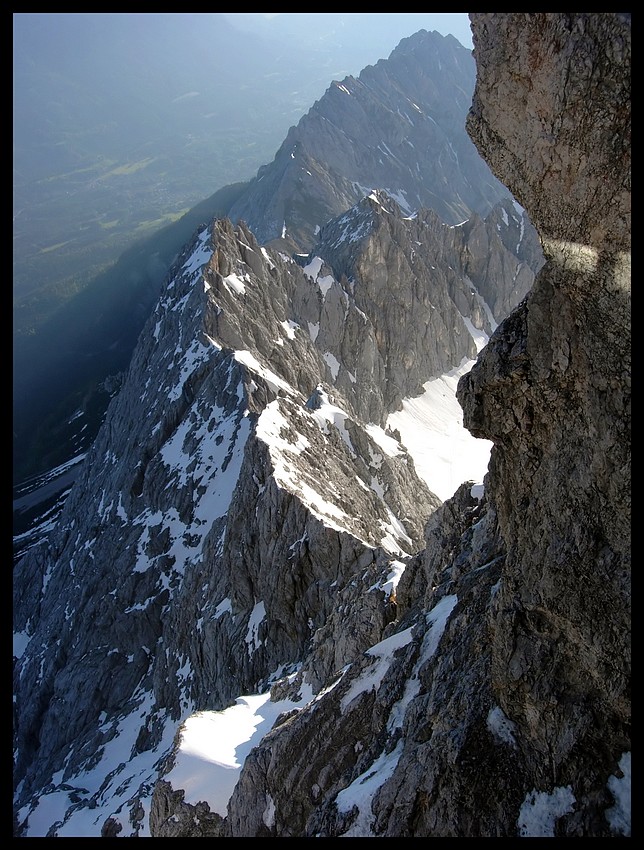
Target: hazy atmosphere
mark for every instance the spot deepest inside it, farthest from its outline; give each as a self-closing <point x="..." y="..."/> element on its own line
<point x="124" y="125"/>
<point x="123" y="121"/>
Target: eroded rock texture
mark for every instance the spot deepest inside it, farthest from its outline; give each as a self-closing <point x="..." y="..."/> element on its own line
<point x="244" y="506"/>
<point x="393" y="127"/>
<point x="553" y="392"/>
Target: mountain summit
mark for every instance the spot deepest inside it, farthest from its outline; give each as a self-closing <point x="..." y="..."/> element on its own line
<point x="398" y="126"/>
<point x="414" y="103"/>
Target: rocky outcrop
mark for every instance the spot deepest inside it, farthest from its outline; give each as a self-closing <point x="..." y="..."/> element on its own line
<point x="553" y="393"/>
<point x="394" y="127"/>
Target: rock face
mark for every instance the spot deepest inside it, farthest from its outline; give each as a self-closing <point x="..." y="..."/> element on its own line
<point x="553" y="393"/>
<point x="399" y="127"/>
<point x="246" y="524"/>
<point x="394" y="127"/>
<point x="420" y="277"/>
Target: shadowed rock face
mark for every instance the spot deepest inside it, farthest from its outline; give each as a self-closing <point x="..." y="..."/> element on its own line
<point x="551" y="114"/>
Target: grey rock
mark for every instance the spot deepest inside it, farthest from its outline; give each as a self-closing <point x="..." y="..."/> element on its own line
<point x="528" y="591"/>
<point x="186" y="516"/>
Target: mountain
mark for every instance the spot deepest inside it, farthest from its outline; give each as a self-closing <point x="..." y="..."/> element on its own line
<point x="250" y="553"/>
<point x="261" y="388"/>
<point x="61" y="374"/>
<point x="122" y="124"/>
<point x="90" y="340"/>
<point x="400" y="125"/>
<point x="122" y="121"/>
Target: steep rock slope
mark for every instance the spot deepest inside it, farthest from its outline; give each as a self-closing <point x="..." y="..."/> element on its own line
<point x="244" y="482"/>
<point x="399" y="126"/>
<point x="498" y="704"/>
<point x="220" y="543"/>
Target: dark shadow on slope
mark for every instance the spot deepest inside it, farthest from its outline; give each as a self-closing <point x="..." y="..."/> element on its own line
<point x="61" y="367"/>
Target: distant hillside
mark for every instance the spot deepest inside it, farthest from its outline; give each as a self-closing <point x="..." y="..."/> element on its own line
<point x="59" y="368"/>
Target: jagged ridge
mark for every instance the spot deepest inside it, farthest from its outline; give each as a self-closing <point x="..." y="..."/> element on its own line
<point x="260" y="389"/>
<point x="252" y="428"/>
<point x="394" y="127"/>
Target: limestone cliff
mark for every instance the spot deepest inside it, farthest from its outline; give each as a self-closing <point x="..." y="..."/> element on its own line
<point x="553" y="393"/>
<point x="245" y="506"/>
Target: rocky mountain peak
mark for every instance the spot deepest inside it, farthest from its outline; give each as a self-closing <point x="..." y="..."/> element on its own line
<point x="375" y="131"/>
